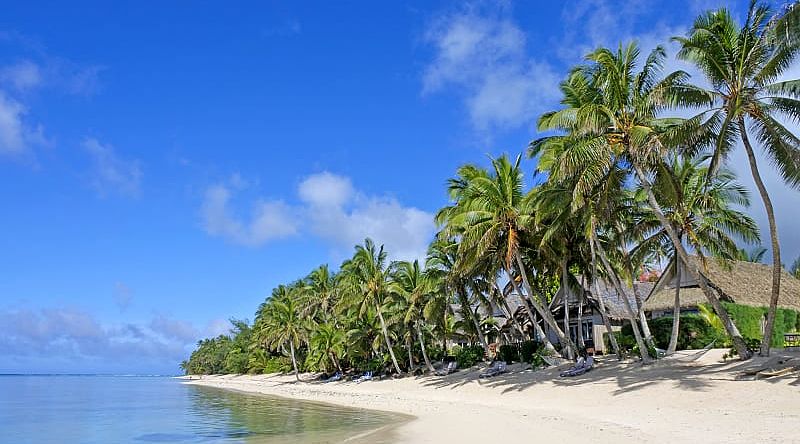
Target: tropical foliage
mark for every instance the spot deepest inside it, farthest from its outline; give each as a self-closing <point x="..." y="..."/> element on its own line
<point x="622" y="186"/>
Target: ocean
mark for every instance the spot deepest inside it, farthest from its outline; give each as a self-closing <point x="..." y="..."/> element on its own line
<point x="138" y="409"/>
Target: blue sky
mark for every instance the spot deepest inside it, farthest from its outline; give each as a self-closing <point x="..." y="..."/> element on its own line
<point x="161" y="169"/>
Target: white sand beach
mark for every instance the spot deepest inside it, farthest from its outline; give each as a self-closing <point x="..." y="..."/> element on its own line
<point x="686" y="398"/>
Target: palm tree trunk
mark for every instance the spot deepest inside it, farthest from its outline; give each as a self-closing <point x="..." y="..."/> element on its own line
<point x="336" y="362"/>
<point x="507" y="311"/>
<point x="566" y="345"/>
<point x="537" y="328"/>
<point x="581" y="343"/>
<point x="422" y="346"/>
<point x="409" y="346"/>
<point x="730" y="327"/>
<point x="611" y="337"/>
<point x="766" y="343"/>
<point x="294" y="361"/>
<point x="466" y="307"/>
<point x="676" y="310"/>
<point x="386" y="337"/>
<point x="565" y="298"/>
<point x="643" y="351"/>
<point x="648" y="336"/>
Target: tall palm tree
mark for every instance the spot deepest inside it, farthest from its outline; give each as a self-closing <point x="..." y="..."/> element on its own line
<point x="366" y="277"/>
<point x="320" y="294"/>
<point x="701" y="210"/>
<point x="491" y="215"/>
<point x="611" y="117"/>
<point x="745" y="65"/>
<point x="282" y="325"/>
<point x="415" y="287"/>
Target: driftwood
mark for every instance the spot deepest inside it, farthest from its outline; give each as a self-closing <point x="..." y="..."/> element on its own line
<point x="775" y="367"/>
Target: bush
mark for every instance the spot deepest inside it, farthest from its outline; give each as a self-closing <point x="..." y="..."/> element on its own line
<point x="527" y="350"/>
<point x="508" y="353"/>
<point x="749" y="319"/>
<point x="278" y="364"/>
<point x="693" y="333"/>
<point x="468" y="355"/>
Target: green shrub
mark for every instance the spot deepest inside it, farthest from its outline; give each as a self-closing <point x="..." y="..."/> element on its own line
<point x="693" y="333"/>
<point x="468" y="355"/>
<point x="748" y="320"/>
<point x="278" y="364"/>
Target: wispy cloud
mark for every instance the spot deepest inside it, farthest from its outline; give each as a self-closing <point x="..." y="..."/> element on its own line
<point x="111" y="174"/>
<point x="17" y="135"/>
<point x="485" y="57"/>
<point x="77" y="340"/>
<point x="22" y="76"/>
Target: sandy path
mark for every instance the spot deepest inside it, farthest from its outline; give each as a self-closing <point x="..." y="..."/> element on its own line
<point x="675" y="401"/>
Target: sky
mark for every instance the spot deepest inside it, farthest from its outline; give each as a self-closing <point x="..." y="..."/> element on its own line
<point x="164" y="166"/>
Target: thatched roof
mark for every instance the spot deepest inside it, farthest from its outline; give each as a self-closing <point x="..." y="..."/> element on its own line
<point x="740" y="282"/>
<point x="614" y="303"/>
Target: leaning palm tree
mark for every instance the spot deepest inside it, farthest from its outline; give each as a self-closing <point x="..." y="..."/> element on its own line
<point x="745" y="66"/>
<point x="611" y="117"/>
<point x="701" y="209"/>
<point x="282" y="326"/>
<point x="366" y="280"/>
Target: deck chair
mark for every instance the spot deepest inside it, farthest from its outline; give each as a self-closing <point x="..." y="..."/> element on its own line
<point x="495" y="369"/>
<point x="449" y="368"/>
<point x="365" y="377"/>
<point x="580" y="367"/>
<point x="336" y="377"/>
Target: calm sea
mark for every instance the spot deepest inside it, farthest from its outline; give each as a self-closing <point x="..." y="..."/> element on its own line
<point x="119" y="409"/>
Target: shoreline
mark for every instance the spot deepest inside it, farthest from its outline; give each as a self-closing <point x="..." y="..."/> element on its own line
<point x="675" y="400"/>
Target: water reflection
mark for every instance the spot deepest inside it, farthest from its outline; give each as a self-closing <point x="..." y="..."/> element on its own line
<point x="219" y="415"/>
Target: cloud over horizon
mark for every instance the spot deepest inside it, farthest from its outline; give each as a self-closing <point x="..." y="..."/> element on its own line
<point x="68" y="339"/>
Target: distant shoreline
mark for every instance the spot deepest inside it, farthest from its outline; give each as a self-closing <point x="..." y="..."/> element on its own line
<point x="675" y="400"/>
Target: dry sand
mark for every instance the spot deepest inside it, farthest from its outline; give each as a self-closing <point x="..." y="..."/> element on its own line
<point x="686" y="398"/>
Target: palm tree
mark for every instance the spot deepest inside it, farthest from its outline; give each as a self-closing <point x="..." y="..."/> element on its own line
<point x="756" y="255"/>
<point x="491" y="215"/>
<point x="415" y="287"/>
<point x="744" y="65"/>
<point x="320" y="294"/>
<point x="282" y="325"/>
<point x="327" y="343"/>
<point x="699" y="207"/>
<point x="611" y="117"/>
<point x="795" y="268"/>
<point x="367" y="280"/>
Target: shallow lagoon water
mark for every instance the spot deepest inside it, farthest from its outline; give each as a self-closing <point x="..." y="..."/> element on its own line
<point x="118" y="409"/>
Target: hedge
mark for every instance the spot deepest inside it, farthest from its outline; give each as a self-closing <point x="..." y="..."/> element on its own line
<point x="748" y="320"/>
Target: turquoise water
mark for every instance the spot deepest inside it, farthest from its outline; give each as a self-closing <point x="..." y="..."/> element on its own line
<point x="113" y="409"/>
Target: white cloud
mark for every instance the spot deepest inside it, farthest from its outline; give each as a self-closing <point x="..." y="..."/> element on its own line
<point x="22" y="76"/>
<point x="110" y="173"/>
<point x="345" y="217"/>
<point x="325" y="190"/>
<point x="486" y="58"/>
<point x="270" y="219"/>
<point x="16" y="137"/>
<point x="330" y="208"/>
<point x="67" y="339"/>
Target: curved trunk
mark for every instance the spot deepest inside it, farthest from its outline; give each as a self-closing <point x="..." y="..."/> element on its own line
<point x="611" y="337"/>
<point x="565" y="298"/>
<point x="507" y="311"/>
<point x="730" y="327"/>
<point x="643" y="351"/>
<point x="544" y="312"/>
<point x="336" y="361"/>
<point x="676" y="310"/>
<point x="579" y="330"/>
<point x="422" y="346"/>
<point x="294" y="361"/>
<point x="465" y="307"/>
<point x="388" y="340"/>
<point x="773" y="234"/>
<point x="537" y="328"/>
